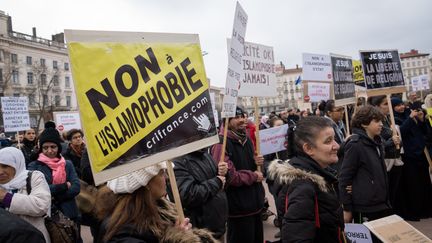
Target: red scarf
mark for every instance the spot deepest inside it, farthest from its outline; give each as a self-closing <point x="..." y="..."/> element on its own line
<point x="58" y="167"/>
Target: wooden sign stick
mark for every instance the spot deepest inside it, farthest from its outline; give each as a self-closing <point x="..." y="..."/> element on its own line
<point x="257" y="137"/>
<point x="392" y="120"/>
<point x="347" y="121"/>
<point x="175" y="191"/>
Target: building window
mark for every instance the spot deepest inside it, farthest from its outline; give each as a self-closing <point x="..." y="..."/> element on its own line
<point x="55" y="66"/>
<point x="32" y="101"/>
<point x="418" y="63"/>
<point x="413" y="64"/>
<point x="14" y="58"/>
<point x="29" y="60"/>
<point x="424" y="62"/>
<point x="1" y="75"/>
<point x="55" y="80"/>
<point x="15" y="76"/>
<point x="42" y="62"/>
<point x="33" y="121"/>
<point x="408" y="64"/>
<point x="67" y="82"/>
<point x="425" y="70"/>
<point x="420" y="71"/>
<point x="403" y="65"/>
<point x="68" y="101"/>
<point x="29" y="78"/>
<point x="1" y="55"/>
<point x="16" y="95"/>
<point x="57" y="100"/>
<point x="43" y="78"/>
<point x="66" y="66"/>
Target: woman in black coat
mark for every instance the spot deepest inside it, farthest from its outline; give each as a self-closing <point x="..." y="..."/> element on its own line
<point x="312" y="212"/>
<point x="200" y="183"/>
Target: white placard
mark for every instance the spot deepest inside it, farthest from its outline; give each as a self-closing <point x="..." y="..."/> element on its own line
<point x="215" y="113"/>
<point x="235" y="68"/>
<point x="318" y="91"/>
<point x="66" y="121"/>
<point x="420" y="82"/>
<point x="316" y="67"/>
<point x="273" y="139"/>
<point x="358" y="233"/>
<point x="394" y="229"/>
<point x="259" y="77"/>
<point x="15" y="114"/>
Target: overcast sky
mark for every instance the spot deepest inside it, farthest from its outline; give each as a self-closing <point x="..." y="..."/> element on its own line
<point x="291" y="27"/>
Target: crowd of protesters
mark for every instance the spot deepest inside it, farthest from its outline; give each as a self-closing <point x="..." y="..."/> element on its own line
<point x="326" y="176"/>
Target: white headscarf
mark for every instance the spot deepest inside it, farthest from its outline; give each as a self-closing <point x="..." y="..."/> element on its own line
<point x="14" y="157"/>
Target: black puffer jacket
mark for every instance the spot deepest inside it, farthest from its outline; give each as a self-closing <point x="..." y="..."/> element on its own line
<point x="390" y="148"/>
<point x="29" y="150"/>
<point x="363" y="167"/>
<point x="201" y="191"/>
<point x="306" y="189"/>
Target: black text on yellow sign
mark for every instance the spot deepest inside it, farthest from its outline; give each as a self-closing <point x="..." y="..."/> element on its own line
<point x="136" y="96"/>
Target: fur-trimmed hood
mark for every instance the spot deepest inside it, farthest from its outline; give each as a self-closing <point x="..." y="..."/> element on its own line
<point x="282" y="172"/>
<point x="175" y="235"/>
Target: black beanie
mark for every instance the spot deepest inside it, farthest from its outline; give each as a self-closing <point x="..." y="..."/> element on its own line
<point x="49" y="124"/>
<point x="50" y="135"/>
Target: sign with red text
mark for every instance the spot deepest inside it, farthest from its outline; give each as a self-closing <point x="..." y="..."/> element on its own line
<point x="66" y="121"/>
<point x="318" y="91"/>
<point x="273" y="139"/>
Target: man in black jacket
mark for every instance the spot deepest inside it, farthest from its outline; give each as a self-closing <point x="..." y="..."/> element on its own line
<point x="201" y="186"/>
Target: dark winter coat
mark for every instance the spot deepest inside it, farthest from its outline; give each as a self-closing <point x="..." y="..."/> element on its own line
<point x="308" y="192"/>
<point x="71" y="155"/>
<point x="63" y="198"/>
<point x="245" y="195"/>
<point x="389" y="147"/>
<point x="15" y="229"/>
<point x="364" y="168"/>
<point x="29" y="150"/>
<point x="201" y="191"/>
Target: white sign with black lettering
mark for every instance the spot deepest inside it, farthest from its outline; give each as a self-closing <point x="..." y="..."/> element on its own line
<point x="235" y="68"/>
<point x="420" y="82"/>
<point x="358" y="233"/>
<point x="66" y="121"/>
<point x="15" y="114"/>
<point x="215" y="113"/>
<point x="317" y="67"/>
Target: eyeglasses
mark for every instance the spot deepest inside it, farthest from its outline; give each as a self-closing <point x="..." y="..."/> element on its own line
<point x="46" y="147"/>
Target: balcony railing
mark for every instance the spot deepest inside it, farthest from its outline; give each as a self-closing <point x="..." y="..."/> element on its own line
<point x="33" y="39"/>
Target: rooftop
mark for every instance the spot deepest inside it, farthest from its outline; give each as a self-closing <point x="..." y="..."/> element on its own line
<point x="412" y="53"/>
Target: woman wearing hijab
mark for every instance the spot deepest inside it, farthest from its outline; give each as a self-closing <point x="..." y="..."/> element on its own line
<point x="134" y="209"/>
<point x="14" y="194"/>
<point x="59" y="173"/>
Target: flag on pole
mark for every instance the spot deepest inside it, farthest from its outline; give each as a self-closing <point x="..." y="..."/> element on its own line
<point x="298" y="80"/>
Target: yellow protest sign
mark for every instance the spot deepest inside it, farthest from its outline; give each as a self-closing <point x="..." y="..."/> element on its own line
<point x="139" y="99"/>
<point x="358" y="73"/>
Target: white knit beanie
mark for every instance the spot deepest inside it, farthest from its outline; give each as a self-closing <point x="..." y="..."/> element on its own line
<point x="131" y="182"/>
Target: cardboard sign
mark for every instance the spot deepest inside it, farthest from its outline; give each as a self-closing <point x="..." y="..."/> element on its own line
<point x="15" y="114"/>
<point x="358" y="233"/>
<point x="343" y="82"/>
<point x="235" y="65"/>
<point x="143" y="98"/>
<point x="273" y="139"/>
<point x="358" y="73"/>
<point x="215" y="113"/>
<point x="259" y="77"/>
<point x="316" y="67"/>
<point x="318" y="91"/>
<point x="394" y="229"/>
<point x="66" y="121"/>
<point x="382" y="69"/>
<point x="420" y="82"/>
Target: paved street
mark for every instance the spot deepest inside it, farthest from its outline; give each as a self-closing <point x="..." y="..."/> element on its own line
<point x="425" y="226"/>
